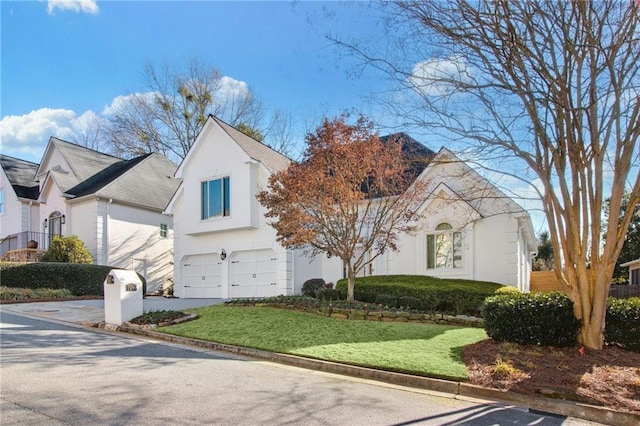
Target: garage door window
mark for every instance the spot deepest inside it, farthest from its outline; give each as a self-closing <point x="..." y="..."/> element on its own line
<point x="216" y="198"/>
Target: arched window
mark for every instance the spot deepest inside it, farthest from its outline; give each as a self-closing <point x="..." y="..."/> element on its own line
<point x="444" y="248"/>
<point x="55" y="224"/>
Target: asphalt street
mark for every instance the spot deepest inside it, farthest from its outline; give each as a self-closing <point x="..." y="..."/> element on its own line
<point x="56" y="374"/>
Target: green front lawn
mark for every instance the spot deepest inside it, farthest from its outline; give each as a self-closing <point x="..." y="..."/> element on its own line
<point x="429" y="350"/>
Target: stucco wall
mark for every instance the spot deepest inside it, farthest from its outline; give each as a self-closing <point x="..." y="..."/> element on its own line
<point x="81" y="222"/>
<point x="216" y="157"/>
<point x="11" y="219"/>
<point x="134" y="242"/>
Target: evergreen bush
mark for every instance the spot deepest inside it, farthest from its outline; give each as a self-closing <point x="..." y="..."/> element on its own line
<point x="424" y="293"/>
<point x="79" y="279"/>
<point x="69" y="249"/>
<point x="544" y="319"/>
<point x="622" y="325"/>
<point x="311" y="287"/>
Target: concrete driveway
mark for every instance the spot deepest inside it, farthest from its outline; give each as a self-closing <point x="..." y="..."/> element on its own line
<point x="89" y="312"/>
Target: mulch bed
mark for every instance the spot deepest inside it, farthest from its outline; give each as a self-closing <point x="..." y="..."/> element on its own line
<point x="610" y="377"/>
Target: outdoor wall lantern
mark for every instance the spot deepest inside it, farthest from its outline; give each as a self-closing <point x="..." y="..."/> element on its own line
<point x="63" y="219"/>
<point x="45" y="223"/>
<point x="223" y="254"/>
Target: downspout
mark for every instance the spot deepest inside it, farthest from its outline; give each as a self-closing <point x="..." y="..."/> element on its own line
<point x="105" y="239"/>
<point x="30" y="204"/>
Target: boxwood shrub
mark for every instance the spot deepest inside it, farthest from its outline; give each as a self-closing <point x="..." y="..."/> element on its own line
<point x="423" y="293"/>
<point x="544" y="319"/>
<point x="79" y="279"/>
<point x="622" y="326"/>
<point x="311" y="286"/>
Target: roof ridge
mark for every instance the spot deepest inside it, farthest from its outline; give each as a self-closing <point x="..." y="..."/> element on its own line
<point x="224" y="123"/>
<point x="86" y="148"/>
<point x="126" y="165"/>
<point x="138" y="160"/>
<point x="19" y="159"/>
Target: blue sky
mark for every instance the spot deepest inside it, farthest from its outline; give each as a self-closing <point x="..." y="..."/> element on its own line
<point x="63" y="60"/>
<point x="66" y="61"/>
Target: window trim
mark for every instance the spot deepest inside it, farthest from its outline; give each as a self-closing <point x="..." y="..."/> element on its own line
<point x="164" y="230"/>
<point x="225" y="195"/>
<point x="431" y="255"/>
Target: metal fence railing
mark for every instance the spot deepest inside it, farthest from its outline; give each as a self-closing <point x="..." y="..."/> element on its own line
<point x="22" y="240"/>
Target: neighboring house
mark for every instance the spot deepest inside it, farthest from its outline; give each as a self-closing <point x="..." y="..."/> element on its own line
<point x="18" y="203"/>
<point x="224" y="246"/>
<point x="634" y="271"/>
<point x="113" y="205"/>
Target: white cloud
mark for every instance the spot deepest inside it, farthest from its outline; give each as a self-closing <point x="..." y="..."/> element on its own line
<point x="438" y="77"/>
<point x="231" y="89"/>
<point x="27" y="135"/>
<point x="121" y="101"/>
<point x="84" y="6"/>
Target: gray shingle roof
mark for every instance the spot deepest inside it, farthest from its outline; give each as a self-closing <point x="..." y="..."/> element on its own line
<point x="272" y="159"/>
<point x="84" y="163"/>
<point x="147" y="182"/>
<point x="21" y="175"/>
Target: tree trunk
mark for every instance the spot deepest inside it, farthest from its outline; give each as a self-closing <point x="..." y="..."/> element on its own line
<point x="351" y="281"/>
<point x="588" y="289"/>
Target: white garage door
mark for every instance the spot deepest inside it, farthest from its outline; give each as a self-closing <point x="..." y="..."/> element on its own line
<point x="253" y="274"/>
<point x="202" y="276"/>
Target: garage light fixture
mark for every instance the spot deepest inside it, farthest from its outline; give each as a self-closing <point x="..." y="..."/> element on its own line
<point x="223" y="254"/>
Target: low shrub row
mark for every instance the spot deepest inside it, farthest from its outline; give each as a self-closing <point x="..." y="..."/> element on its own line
<point x="79" y="279"/>
<point x="547" y="319"/>
<point x="10" y="293"/>
<point x="622" y="326"/>
<point x="422" y="293"/>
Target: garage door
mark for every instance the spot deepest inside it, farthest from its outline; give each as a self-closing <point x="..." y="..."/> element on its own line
<point x="253" y="274"/>
<point x="202" y="276"/>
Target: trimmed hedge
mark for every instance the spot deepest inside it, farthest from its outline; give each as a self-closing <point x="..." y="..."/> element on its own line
<point x="544" y="319"/>
<point x="422" y="293"/>
<point x="622" y="326"/>
<point x="311" y="287"/>
<point x="79" y="279"/>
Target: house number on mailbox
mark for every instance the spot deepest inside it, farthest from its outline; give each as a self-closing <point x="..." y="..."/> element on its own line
<point x="130" y="287"/>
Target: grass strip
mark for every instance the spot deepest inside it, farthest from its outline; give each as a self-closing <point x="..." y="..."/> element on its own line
<point x="423" y="349"/>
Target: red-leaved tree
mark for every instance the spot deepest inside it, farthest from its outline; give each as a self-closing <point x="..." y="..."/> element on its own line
<point x="351" y="196"/>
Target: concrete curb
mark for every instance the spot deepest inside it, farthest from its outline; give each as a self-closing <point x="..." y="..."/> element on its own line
<point x="536" y="403"/>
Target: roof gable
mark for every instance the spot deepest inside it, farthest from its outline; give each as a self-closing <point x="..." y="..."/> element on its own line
<point x="469" y="185"/>
<point x="272" y="159"/>
<point x="21" y="175"/>
<point x="80" y="163"/>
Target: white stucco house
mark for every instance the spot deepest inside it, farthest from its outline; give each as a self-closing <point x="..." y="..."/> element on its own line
<point x="467" y="228"/>
<point x="634" y="271"/>
<point x="113" y="205"/>
<point x="224" y="246"/>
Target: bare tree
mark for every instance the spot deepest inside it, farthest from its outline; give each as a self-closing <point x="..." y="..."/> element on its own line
<point x="279" y="133"/>
<point x="90" y="133"/>
<point x="168" y="115"/>
<point x="552" y="85"/>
